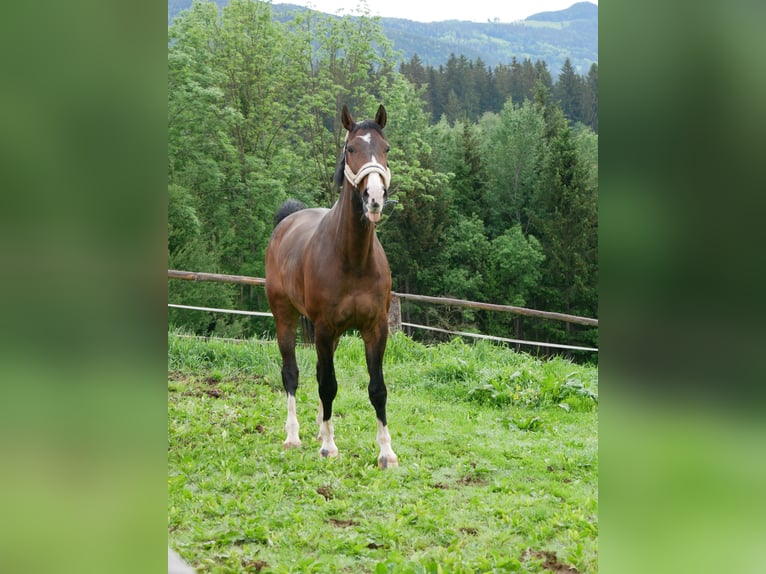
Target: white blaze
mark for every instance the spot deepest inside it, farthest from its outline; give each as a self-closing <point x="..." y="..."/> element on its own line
<point x="375" y="193"/>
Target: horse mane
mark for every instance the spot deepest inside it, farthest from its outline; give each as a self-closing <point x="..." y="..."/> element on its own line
<point x="340" y="168"/>
<point x="288" y="207"/>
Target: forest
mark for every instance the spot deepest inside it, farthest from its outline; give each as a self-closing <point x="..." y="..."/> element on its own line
<point x="494" y="170"/>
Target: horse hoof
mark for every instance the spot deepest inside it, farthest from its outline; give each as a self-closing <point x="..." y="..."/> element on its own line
<point x="325" y="453"/>
<point x="287" y="445"/>
<point x="390" y="462"/>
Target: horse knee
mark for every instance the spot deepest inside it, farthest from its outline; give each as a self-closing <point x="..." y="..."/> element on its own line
<point x="378" y="395"/>
<point x="290" y="379"/>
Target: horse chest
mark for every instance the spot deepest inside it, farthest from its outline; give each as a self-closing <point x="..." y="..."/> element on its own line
<point x="354" y="311"/>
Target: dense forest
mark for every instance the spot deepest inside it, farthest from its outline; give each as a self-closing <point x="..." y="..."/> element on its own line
<point x="465" y="90"/>
<point x="496" y="199"/>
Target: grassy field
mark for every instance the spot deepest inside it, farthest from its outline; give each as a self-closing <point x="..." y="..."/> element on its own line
<point x="498" y="455"/>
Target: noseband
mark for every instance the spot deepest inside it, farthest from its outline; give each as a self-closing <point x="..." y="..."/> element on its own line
<point x="365" y="170"/>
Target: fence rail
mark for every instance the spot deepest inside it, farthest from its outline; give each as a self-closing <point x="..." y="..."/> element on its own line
<point x="220" y="278"/>
<point x="245" y="280"/>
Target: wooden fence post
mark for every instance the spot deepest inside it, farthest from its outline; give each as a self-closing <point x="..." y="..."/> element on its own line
<point x="394" y="315"/>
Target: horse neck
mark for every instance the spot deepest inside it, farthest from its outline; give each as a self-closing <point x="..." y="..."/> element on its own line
<point x="355" y="234"/>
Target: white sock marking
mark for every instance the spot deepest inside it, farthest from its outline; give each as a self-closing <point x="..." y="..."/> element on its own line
<point x="384" y="441"/>
<point x="291" y="426"/>
<point x="326" y="432"/>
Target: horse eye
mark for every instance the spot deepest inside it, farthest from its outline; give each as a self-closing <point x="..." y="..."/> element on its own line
<point x="351" y="149"/>
<point x="388" y="149"/>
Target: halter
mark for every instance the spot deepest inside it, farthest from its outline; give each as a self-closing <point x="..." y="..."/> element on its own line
<point x="365" y="170"/>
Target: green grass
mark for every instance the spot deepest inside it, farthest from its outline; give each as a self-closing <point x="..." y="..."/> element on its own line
<point x="498" y="455"/>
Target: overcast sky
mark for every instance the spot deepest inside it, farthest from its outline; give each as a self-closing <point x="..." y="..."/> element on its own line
<point x="434" y="11"/>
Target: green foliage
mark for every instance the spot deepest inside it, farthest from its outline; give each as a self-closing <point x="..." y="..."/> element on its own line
<point x="482" y="487"/>
<point x="496" y="206"/>
<point x="516" y="263"/>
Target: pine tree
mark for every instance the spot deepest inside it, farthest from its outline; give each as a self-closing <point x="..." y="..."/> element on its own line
<point x="565" y="220"/>
<point x="468" y="167"/>
<point x="590" y="99"/>
<point x="569" y="92"/>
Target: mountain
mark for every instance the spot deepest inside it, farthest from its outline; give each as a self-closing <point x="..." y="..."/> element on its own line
<point x="573" y="35"/>
<point x="548" y="36"/>
<point x="579" y="11"/>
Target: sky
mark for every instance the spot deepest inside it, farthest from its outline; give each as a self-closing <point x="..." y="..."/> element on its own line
<point x="435" y="11"/>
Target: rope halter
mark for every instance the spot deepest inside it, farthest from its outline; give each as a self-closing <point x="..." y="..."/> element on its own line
<point x="365" y="170"/>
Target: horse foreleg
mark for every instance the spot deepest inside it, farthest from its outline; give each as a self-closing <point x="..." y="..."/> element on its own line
<point x="286" y="331"/>
<point x="375" y="346"/>
<point x="328" y="388"/>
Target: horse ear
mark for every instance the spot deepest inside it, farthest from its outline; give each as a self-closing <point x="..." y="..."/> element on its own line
<point x="380" y="117"/>
<point x="346" y="118"/>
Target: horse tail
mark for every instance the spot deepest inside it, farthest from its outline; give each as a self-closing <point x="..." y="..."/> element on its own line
<point x="288" y="207"/>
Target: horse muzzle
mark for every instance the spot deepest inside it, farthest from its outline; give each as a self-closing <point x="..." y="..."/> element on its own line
<point x="373" y="204"/>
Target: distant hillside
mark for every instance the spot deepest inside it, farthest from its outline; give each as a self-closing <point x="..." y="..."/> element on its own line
<point x="549" y="36"/>
<point x="579" y="11"/>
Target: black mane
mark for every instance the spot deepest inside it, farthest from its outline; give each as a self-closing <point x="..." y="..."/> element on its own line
<point x="340" y="168"/>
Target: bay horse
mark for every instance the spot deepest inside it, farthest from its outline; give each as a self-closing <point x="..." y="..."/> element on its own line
<point x="329" y="266"/>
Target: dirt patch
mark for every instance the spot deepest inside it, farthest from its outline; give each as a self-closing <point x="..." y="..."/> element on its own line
<point x="254" y="565"/>
<point x="341" y="523"/>
<point x="441" y="485"/>
<point x="469" y="480"/>
<point x="326" y="491"/>
<point x="470" y="530"/>
<point x="565" y="480"/>
<point x="550" y="561"/>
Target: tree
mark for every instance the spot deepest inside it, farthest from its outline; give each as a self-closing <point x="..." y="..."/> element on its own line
<point x="413" y="234"/>
<point x="515" y="271"/>
<point x="469" y="181"/>
<point x="514" y="151"/>
<point x="566" y="223"/>
<point x="590" y="99"/>
<point x="568" y="92"/>
<point x="343" y="61"/>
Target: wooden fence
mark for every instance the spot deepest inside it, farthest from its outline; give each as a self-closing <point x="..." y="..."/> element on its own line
<point x="395" y="315"/>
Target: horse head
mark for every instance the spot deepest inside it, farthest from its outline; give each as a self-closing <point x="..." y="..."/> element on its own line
<point x="364" y="162"/>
